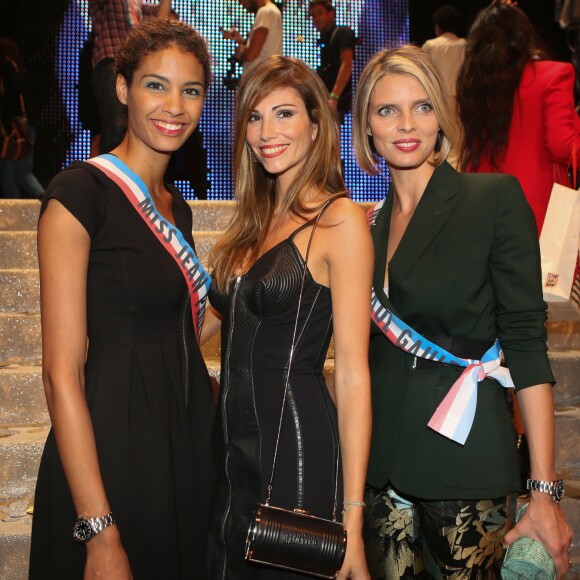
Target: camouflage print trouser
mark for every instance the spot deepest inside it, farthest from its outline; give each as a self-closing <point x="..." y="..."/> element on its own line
<point x="445" y="540"/>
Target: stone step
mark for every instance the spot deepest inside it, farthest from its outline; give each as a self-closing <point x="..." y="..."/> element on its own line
<point x="567" y="422"/>
<point x="19" y="214"/>
<point x="563" y="334"/>
<point x="20" y="451"/>
<point x="20" y="291"/>
<point x="22" y="393"/>
<point x="211" y="215"/>
<point x="20" y="339"/>
<point x="19" y="288"/>
<point x="14" y="541"/>
<point x="21" y="448"/>
<point x="21" y="342"/>
<point x="18" y="248"/>
<point x="20" y="349"/>
<point x="22" y="396"/>
<point x="22" y="214"/>
<point x="21" y="445"/>
<point x="566" y="369"/>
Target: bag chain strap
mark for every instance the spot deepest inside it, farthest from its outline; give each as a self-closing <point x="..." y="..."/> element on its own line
<point x="286" y="384"/>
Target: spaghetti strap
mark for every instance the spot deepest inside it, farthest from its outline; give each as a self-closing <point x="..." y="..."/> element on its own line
<point x="314" y="219"/>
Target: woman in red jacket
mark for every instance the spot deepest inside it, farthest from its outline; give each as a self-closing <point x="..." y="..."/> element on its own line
<point x="517" y="109"/>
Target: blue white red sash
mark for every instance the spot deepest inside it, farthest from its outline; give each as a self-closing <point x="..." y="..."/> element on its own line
<point x="454" y="416"/>
<point x="197" y="279"/>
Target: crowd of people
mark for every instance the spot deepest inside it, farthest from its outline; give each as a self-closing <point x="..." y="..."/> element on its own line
<point x="432" y="298"/>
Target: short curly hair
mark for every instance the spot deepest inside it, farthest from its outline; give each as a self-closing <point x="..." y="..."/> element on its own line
<point x="156" y="34"/>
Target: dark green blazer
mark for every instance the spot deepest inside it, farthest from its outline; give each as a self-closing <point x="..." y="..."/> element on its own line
<point x="467" y="266"/>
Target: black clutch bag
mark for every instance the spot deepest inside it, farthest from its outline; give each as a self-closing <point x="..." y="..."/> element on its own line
<point x="296" y="541"/>
<point x="293" y="539"/>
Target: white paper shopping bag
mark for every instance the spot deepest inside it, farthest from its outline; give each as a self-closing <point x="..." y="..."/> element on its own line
<point x="559" y="243"/>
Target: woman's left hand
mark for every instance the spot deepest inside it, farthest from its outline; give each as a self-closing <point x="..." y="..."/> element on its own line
<point x="544" y="521"/>
<point x="355" y="563"/>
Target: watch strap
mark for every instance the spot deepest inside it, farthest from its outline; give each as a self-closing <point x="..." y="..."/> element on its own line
<point x="554" y="488"/>
<point x="102" y="522"/>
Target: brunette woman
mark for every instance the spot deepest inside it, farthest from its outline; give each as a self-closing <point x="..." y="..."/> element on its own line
<point x="518" y="119"/>
<point x="287" y="174"/>
<point x="128" y="459"/>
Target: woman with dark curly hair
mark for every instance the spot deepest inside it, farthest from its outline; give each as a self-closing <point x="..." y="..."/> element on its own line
<point x="516" y="107"/>
<point x="124" y="484"/>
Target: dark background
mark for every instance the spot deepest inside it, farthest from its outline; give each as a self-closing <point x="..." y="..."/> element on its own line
<point x="540" y="12"/>
<point x="31" y="23"/>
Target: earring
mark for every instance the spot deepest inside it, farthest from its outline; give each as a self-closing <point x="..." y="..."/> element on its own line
<point x="369" y="133"/>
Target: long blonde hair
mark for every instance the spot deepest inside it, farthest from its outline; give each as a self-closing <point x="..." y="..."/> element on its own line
<point x="405" y="60"/>
<point x="254" y="187"/>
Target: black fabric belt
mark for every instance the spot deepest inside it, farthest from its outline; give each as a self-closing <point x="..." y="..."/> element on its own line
<point x="460" y="347"/>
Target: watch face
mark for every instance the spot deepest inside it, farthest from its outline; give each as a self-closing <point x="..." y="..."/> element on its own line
<point x="559" y="490"/>
<point x="82" y="531"/>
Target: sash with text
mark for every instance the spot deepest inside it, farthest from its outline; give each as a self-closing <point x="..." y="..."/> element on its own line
<point x="454" y="416"/>
<point x="197" y="279"/>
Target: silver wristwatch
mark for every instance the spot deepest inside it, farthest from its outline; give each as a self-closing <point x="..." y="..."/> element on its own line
<point x="555" y="488"/>
<point x="87" y="528"/>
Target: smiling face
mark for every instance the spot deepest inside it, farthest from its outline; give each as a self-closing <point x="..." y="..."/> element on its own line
<point x="164" y="99"/>
<point x="280" y="134"/>
<point x="402" y="122"/>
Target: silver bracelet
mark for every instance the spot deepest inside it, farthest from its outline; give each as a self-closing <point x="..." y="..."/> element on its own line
<point x="346" y="505"/>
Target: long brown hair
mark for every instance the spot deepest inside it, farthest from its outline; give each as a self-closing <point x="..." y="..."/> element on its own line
<point x="501" y="42"/>
<point x="254" y="187"/>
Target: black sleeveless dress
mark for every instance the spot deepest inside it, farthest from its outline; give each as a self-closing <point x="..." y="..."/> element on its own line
<point x="148" y="394"/>
<point x="259" y="313"/>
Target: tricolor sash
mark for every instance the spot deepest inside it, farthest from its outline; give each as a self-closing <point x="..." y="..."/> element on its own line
<point x="454" y="416"/>
<point x="197" y="279"/>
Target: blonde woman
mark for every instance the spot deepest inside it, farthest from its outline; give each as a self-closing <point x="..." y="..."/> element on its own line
<point x="457" y="267"/>
<point x="287" y="170"/>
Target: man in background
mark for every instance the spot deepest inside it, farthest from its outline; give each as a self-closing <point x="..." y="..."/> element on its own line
<point x="447" y="52"/>
<point x="112" y="20"/>
<point x="336" y="56"/>
<point x="265" y="37"/>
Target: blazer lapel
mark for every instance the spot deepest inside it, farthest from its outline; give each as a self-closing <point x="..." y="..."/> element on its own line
<point x="430" y="216"/>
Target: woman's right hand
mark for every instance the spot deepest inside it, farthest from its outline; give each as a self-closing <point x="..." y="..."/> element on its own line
<point x="106" y="557"/>
<point x="544" y="521"/>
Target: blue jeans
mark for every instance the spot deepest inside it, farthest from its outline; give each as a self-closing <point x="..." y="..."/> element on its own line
<point x="17" y="177"/>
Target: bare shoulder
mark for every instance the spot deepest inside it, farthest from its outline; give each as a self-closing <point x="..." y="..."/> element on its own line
<point x="344" y="213"/>
<point x="346" y="229"/>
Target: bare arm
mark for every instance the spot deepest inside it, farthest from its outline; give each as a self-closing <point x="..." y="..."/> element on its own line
<point x="63" y="253"/>
<point x="350" y="258"/>
<point x="544" y="520"/>
<point x="250" y="52"/>
<point x="212" y="323"/>
<point x="344" y="73"/>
